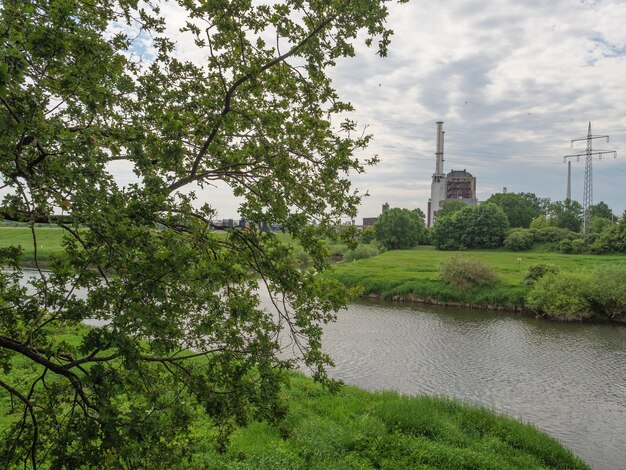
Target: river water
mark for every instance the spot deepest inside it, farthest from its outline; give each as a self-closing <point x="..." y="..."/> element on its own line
<point x="568" y="380"/>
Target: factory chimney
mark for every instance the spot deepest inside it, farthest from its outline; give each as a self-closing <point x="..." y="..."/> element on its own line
<point x="439" y="151"/>
<point x="568" y="197"/>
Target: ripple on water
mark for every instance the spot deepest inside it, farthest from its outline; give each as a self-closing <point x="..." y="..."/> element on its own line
<point x="569" y="380"/>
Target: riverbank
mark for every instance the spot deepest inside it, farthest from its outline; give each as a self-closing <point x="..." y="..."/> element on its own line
<point x="359" y="429"/>
<point x="353" y="428"/>
<point x="414" y="276"/>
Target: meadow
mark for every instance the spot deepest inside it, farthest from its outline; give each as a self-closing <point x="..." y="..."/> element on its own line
<point x="48" y="240"/>
<point x="415" y="274"/>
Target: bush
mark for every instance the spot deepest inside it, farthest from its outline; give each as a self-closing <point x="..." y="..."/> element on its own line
<point x="399" y="229"/>
<point x="607" y="292"/>
<point x="579" y="246"/>
<point x="337" y="251"/>
<point x="537" y="271"/>
<point x="561" y="296"/>
<point x="553" y="234"/>
<point x="463" y="273"/>
<point x="565" y="246"/>
<point x="361" y="252"/>
<point x="519" y="240"/>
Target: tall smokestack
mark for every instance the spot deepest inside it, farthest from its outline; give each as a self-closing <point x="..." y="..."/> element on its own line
<point x="568" y="197"/>
<point x="439" y="152"/>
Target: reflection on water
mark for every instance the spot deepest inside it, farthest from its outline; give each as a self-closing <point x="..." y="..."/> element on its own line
<point x="567" y="379"/>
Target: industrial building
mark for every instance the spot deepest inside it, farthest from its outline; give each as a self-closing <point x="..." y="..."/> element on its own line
<point x="457" y="185"/>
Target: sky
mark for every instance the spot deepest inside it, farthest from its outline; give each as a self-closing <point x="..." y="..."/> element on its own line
<point x="513" y="81"/>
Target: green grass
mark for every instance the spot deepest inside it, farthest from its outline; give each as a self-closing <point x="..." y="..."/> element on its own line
<point x="356" y="429"/>
<point x="48" y="241"/>
<point x="415" y="274"/>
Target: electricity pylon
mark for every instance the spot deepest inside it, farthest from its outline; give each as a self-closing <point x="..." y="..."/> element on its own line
<point x="588" y="154"/>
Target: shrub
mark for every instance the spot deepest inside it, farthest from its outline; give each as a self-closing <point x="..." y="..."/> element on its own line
<point x="463" y="273"/>
<point x="553" y="234"/>
<point x="336" y="251"/>
<point x="519" y="240"/>
<point x="537" y="271"/>
<point x="561" y="296"/>
<point x="579" y="246"/>
<point x="607" y="292"/>
<point x="361" y="252"/>
<point x="565" y="246"/>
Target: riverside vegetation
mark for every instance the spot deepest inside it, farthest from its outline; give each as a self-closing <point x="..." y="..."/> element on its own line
<point x="320" y="428"/>
<point x="326" y="429"/>
<point x="552" y="284"/>
<point x="555" y="285"/>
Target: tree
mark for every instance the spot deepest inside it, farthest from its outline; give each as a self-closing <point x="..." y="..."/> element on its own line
<point x="399" y="229"/>
<point x="177" y="320"/>
<point x="449" y="207"/>
<point x="483" y="226"/>
<point x="420" y="214"/>
<point x="567" y="214"/>
<point x="520" y="211"/>
<point x="601" y="209"/>
<point x="540" y="222"/>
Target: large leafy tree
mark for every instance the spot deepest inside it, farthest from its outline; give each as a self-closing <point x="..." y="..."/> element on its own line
<point x="174" y="303"/>
<point x="398" y="229"/>
<point x="483" y="226"/>
<point x="601" y="209"/>
<point x="567" y="214"/>
<point x="519" y="210"/>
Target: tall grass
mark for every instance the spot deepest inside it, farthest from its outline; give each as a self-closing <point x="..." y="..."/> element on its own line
<point x="357" y="429"/>
<point x="354" y="429"/>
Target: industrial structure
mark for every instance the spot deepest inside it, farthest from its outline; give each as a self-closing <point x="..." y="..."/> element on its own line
<point x="588" y="154"/>
<point x="458" y="185"/>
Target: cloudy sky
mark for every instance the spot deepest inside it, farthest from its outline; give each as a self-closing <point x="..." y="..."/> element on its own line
<point x="513" y="82"/>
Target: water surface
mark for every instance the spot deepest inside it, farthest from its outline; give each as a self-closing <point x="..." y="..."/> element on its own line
<point x="569" y="380"/>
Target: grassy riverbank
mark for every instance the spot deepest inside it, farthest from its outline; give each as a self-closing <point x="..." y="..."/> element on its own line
<point x="48" y="240"/>
<point x="415" y="275"/>
<point x="358" y="429"/>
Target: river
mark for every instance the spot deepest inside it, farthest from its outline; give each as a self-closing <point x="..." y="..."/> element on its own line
<point x="568" y="380"/>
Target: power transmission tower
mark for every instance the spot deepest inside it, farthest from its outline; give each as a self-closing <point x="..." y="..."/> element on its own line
<point x="588" y="154"/>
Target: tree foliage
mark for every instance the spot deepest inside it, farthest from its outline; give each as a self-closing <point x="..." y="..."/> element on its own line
<point x="175" y="306"/>
<point x="399" y="229"/>
<point x="601" y="209"/>
<point x="483" y="226"/>
<point x="519" y="210"/>
<point x="567" y="214"/>
<point x="449" y="207"/>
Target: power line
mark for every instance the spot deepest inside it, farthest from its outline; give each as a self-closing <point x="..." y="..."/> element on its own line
<point x="588" y="154"/>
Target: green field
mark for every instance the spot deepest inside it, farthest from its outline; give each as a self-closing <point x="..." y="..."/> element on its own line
<point x="353" y="429"/>
<point x="48" y="241"/>
<point x="415" y="274"/>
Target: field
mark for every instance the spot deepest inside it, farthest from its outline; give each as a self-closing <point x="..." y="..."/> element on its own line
<point x="48" y="241"/>
<point x="415" y="274"/>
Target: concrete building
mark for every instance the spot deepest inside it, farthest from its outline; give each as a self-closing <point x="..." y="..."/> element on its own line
<point x="369" y="221"/>
<point x="457" y="185"/>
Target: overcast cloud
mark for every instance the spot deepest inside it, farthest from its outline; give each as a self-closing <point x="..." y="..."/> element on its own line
<point x="513" y="82"/>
